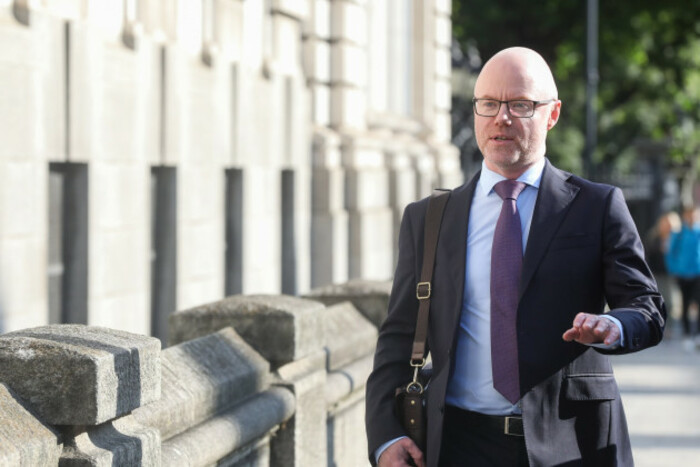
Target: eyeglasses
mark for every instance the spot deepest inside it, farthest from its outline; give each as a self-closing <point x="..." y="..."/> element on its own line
<point x="518" y="108"/>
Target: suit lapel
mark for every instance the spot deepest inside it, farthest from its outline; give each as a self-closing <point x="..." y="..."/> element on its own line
<point x="553" y="199"/>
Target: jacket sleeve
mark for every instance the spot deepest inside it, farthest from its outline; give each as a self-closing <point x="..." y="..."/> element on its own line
<point x="393" y="352"/>
<point x="630" y="288"/>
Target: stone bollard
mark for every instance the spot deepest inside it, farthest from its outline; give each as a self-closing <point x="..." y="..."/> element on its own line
<point x="289" y="333"/>
<point x="371" y="298"/>
<point x="82" y="379"/>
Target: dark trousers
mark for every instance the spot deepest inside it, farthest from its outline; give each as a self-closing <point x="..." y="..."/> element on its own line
<point x="467" y="441"/>
<point x="690" y="292"/>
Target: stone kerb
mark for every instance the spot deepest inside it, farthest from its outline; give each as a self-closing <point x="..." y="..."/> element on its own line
<point x="24" y="440"/>
<point x="281" y="328"/>
<point x="289" y="333"/>
<point x="215" y="388"/>
<point x="80" y="375"/>
<point x="371" y="298"/>
<point x="202" y="378"/>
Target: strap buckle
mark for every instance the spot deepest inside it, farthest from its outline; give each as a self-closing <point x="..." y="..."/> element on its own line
<point x="423" y="290"/>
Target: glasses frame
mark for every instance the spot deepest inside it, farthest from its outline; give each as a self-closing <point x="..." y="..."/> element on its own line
<point x="535" y="104"/>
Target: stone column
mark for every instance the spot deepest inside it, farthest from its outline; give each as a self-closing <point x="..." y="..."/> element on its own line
<point x="370" y="236"/>
<point x="84" y="380"/>
<point x="32" y="132"/>
<point x="446" y="155"/>
<point x="289" y="333"/>
<point x="329" y="224"/>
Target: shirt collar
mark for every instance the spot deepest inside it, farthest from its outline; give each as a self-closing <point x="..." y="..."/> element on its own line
<point x="532" y="176"/>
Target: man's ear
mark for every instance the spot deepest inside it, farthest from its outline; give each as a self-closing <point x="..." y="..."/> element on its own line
<point x="554" y="115"/>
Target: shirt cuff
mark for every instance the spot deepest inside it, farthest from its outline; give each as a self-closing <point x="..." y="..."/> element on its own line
<point x="383" y="447"/>
<point x="618" y="343"/>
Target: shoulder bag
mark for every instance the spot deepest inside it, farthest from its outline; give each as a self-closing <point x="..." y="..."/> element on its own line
<point x="410" y="397"/>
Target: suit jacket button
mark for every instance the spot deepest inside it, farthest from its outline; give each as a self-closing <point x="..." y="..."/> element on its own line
<point x="442" y="409"/>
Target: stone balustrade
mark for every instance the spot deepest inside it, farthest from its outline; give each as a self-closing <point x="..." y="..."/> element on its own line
<point x="248" y="380"/>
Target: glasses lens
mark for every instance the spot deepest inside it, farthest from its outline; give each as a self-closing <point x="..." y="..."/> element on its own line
<point x="521" y="108"/>
<point x="486" y="107"/>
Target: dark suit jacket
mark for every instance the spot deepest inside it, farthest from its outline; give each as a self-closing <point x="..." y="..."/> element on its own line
<point x="583" y="251"/>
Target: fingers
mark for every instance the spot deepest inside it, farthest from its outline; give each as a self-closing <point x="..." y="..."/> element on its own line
<point x="592" y="329"/>
<point x="571" y="334"/>
<point x="416" y="454"/>
<point x="400" y="453"/>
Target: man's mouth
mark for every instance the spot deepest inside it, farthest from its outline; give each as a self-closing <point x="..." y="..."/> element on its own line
<point x="501" y="138"/>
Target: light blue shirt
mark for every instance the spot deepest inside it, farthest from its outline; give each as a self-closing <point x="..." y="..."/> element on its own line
<point x="471" y="384"/>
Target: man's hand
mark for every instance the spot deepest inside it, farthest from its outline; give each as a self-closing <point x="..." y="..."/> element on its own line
<point x="592" y="329"/>
<point x="400" y="454"/>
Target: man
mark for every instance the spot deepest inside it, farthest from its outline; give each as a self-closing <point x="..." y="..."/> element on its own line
<point x="558" y="404"/>
<point x="683" y="261"/>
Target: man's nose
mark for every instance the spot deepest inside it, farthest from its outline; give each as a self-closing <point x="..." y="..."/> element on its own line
<point x="503" y="116"/>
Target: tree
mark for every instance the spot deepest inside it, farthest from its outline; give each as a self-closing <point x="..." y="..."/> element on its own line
<point x="649" y="67"/>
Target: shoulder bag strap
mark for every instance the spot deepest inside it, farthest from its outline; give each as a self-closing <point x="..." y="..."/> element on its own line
<point x="433" y="219"/>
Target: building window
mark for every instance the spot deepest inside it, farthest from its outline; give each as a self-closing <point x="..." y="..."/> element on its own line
<point x="234" y="232"/>
<point x="163" y="248"/>
<point x="289" y="260"/>
<point x="68" y="243"/>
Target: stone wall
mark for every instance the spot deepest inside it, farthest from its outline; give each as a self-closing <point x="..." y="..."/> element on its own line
<point x="247" y="381"/>
<point x="160" y="154"/>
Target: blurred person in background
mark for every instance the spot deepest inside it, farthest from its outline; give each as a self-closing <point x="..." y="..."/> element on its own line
<point x="656" y="247"/>
<point x="683" y="262"/>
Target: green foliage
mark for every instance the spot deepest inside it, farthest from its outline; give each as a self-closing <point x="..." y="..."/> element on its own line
<point x="649" y="68"/>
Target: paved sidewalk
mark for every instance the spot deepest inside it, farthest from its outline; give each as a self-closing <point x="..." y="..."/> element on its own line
<point x="661" y="393"/>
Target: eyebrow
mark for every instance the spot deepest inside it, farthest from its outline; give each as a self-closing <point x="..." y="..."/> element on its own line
<point x="511" y="99"/>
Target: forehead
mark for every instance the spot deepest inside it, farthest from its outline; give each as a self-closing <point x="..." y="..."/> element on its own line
<point x="508" y="79"/>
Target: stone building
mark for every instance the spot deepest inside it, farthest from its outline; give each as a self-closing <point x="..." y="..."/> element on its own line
<point x="160" y="154"/>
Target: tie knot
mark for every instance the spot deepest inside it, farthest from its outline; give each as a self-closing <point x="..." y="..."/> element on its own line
<point x="509" y="189"/>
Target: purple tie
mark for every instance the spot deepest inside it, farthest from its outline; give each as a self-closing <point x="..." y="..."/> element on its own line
<point x="506" y="264"/>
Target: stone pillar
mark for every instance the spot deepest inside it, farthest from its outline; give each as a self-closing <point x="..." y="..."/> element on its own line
<point x="370" y="237"/>
<point x="85" y="379"/>
<point x="402" y="186"/>
<point x="288" y="332"/>
<point x="446" y="155"/>
<point x="317" y="60"/>
<point x="113" y="124"/>
<point x="449" y="172"/>
<point x="329" y="225"/>
<point x="348" y="77"/>
<point x="424" y="165"/>
<point x="196" y="125"/>
<point x="32" y="132"/>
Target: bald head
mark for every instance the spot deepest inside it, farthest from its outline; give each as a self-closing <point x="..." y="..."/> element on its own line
<point x="518" y="67"/>
<point x="509" y="142"/>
